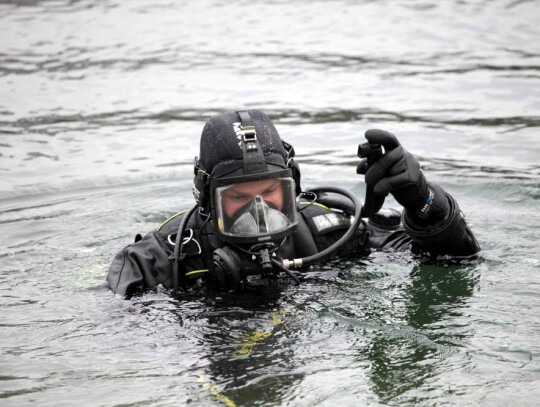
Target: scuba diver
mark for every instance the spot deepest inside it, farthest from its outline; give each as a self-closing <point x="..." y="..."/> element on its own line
<point x="251" y="216"/>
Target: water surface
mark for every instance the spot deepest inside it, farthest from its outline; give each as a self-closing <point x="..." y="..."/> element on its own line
<point x="101" y="107"/>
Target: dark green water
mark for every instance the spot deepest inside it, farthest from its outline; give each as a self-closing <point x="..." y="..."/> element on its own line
<point x="101" y="107"/>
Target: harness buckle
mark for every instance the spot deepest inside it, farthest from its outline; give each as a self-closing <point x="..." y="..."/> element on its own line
<point x="203" y="176"/>
<point x="199" y="173"/>
<point x="249" y="136"/>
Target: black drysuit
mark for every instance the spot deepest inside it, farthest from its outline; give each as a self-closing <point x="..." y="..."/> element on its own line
<point x="147" y="263"/>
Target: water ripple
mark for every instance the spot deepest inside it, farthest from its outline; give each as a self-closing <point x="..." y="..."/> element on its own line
<point x="48" y="123"/>
<point x="102" y="104"/>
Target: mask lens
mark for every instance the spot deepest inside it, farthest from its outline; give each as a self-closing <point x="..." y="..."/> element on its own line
<point x="257" y="208"/>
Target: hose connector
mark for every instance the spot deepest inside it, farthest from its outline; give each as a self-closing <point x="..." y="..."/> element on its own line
<point x="294" y="263"/>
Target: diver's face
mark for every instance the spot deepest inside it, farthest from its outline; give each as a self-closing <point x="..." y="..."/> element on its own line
<point x="240" y="195"/>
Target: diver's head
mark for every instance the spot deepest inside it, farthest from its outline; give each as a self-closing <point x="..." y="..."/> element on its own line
<point x="245" y="176"/>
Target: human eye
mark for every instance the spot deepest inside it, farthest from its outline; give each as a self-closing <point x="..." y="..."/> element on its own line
<point x="238" y="197"/>
<point x="269" y="191"/>
<point x="272" y="189"/>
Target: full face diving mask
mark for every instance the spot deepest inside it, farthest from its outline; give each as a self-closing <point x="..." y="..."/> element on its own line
<point x="256" y="211"/>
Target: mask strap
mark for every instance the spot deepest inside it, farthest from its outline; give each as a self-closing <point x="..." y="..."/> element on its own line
<point x="199" y="172"/>
<point x="290" y="154"/>
<point x="291" y="163"/>
<point x="253" y="158"/>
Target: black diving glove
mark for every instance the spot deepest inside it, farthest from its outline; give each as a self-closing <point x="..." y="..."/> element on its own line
<point x="398" y="172"/>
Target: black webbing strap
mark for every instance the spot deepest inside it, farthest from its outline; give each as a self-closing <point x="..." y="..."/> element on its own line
<point x="253" y="156"/>
<point x="245" y="119"/>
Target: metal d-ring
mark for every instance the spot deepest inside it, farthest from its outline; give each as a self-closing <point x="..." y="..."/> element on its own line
<point x="186" y="240"/>
<point x="198" y="245"/>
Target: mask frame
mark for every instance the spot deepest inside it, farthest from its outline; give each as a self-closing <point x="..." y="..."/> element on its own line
<point x="237" y="177"/>
<point x="248" y="214"/>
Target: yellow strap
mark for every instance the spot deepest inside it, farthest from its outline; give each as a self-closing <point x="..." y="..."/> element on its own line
<point x="197" y="271"/>
<point x="315" y="203"/>
<point x="171" y="218"/>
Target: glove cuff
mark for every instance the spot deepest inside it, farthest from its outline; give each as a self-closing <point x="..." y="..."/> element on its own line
<point x="434" y="209"/>
<point x="447" y="236"/>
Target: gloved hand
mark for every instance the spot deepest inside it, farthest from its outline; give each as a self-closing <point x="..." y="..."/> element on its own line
<point x="396" y="172"/>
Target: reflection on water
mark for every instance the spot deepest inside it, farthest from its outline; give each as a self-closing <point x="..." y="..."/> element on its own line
<point x="101" y="107"/>
<point x="410" y="358"/>
<point x="435" y="294"/>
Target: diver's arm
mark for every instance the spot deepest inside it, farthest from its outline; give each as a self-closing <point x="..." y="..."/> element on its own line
<point x="141" y="265"/>
<point x="445" y="231"/>
<point x="431" y="216"/>
<point x="124" y="274"/>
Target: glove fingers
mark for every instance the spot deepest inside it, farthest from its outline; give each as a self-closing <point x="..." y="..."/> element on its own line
<point x="382" y="165"/>
<point x="392" y="183"/>
<point x="362" y="167"/>
<point x="387" y="139"/>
